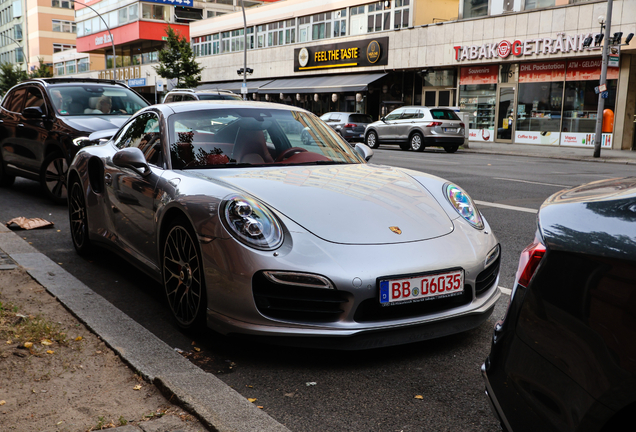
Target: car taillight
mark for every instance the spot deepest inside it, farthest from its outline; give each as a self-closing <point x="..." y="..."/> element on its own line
<point x="528" y="262"/>
<point x="462" y="125"/>
<point x="433" y="124"/>
<point x="350" y="125"/>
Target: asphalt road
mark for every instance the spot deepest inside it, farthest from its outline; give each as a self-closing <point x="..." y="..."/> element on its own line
<point x="311" y="390"/>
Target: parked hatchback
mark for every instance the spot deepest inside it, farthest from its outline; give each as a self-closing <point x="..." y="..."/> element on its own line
<point x="180" y="95"/>
<point x="43" y="119"/>
<point x="350" y="126"/>
<point x="416" y="127"/>
<point x="563" y="358"/>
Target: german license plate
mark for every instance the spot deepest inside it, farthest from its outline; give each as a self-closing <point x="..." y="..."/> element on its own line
<point x="421" y="288"/>
<point x="450" y="130"/>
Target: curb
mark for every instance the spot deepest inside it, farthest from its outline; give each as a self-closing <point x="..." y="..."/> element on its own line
<point x="217" y="406"/>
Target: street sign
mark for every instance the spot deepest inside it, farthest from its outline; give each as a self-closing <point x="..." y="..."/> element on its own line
<point x="596" y="90"/>
<point x="159" y="86"/>
<point x="612" y="61"/>
<point x="137" y="82"/>
<point x="243" y="88"/>
<point x="605" y="95"/>
<point x="602" y="87"/>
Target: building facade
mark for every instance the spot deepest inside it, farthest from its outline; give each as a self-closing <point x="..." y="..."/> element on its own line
<point x="136" y="31"/>
<point x="520" y="68"/>
<point x="35" y="29"/>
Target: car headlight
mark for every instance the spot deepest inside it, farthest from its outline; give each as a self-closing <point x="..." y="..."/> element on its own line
<point x="464" y="205"/>
<point x="252" y="223"/>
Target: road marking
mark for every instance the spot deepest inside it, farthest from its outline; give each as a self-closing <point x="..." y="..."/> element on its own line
<point x="507" y="207"/>
<point x="506" y="291"/>
<point x="531" y="182"/>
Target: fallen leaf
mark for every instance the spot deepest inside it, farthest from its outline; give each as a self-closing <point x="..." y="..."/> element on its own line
<point x="197" y="349"/>
<point x="249" y="386"/>
<point x="419" y="397"/>
<point x="98" y="352"/>
<point x="251" y="400"/>
<point x="79" y="338"/>
<point x="28" y="344"/>
<point x="260" y="407"/>
<point x="50" y="351"/>
<point x="194" y="343"/>
<point x="2" y="402"/>
<point x="46" y="342"/>
<point x="137" y="387"/>
<point x="9" y="342"/>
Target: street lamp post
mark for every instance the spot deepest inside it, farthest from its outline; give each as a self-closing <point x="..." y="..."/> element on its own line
<point x="244" y="87"/>
<point x="603" y="81"/>
<point x="112" y="41"/>
<point x="26" y="60"/>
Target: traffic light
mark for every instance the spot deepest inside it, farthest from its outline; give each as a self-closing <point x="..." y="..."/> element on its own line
<point x="616" y="39"/>
<point x="587" y="42"/>
<point x="249" y="71"/>
<point x="598" y="39"/>
<point x="628" y="39"/>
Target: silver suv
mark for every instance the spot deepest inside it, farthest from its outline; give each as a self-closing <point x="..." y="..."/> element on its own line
<point x="178" y="95"/>
<point x="416" y="127"/>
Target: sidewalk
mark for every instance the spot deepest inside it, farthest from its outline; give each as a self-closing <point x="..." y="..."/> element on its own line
<point x="553" y="152"/>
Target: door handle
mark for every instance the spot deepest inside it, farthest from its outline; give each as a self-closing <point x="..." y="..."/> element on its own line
<point x="20" y="125"/>
<point x="108" y="179"/>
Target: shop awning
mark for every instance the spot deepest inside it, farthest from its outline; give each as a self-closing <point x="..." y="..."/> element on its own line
<point x="323" y="84"/>
<point x="235" y="86"/>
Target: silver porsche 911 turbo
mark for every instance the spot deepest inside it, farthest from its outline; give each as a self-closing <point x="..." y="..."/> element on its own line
<point x="255" y="231"/>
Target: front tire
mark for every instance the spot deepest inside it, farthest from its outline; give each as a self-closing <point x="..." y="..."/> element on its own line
<point x="372" y="140"/>
<point x="451" y="149"/>
<point x="183" y="274"/>
<point x="53" y="178"/>
<point x="78" y="219"/>
<point x="417" y="142"/>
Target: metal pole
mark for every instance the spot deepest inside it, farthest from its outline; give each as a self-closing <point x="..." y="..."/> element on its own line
<point x="112" y="41"/>
<point x="244" y="51"/>
<point x="603" y="80"/>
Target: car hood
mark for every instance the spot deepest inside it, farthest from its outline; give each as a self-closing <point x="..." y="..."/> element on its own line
<point x="597" y="218"/>
<point x="350" y="204"/>
<point x="95" y="123"/>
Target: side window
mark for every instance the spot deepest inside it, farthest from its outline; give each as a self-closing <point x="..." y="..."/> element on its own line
<point x="34" y="98"/>
<point x="13" y="101"/>
<point x="335" y="117"/>
<point x="144" y="133"/>
<point x="177" y="98"/>
<point x="409" y="114"/>
<point x="189" y="98"/>
<point x="168" y="99"/>
<point x="394" y="115"/>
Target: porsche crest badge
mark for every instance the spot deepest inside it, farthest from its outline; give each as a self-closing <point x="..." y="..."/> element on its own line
<point x="396" y="230"/>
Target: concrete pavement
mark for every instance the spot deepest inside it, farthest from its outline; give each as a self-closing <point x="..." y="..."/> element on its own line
<point x="215" y="404"/>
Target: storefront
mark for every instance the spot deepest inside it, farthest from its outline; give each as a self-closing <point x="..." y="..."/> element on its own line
<point x="548" y="103"/>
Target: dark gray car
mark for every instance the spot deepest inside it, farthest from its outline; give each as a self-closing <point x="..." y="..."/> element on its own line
<point x="350" y="126"/>
<point x="416" y="127"/>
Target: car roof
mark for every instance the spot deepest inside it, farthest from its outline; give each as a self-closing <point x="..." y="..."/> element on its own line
<point x="211" y="91"/>
<point x="54" y="81"/>
<point x="179" y="107"/>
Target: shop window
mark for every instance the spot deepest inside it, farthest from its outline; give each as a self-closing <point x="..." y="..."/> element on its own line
<point x="475" y="8"/>
<point x="581" y="103"/>
<point x="479" y="101"/>
<point x="539" y="107"/>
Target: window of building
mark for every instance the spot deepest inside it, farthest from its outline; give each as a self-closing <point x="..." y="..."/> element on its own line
<point x="225" y="41"/>
<point x="83" y="65"/>
<point x="62" y="4"/>
<point x="17" y="32"/>
<point x="275" y="33"/>
<point x="378" y="18"/>
<point x="69" y="67"/>
<point x="64" y="26"/>
<point x="401" y="13"/>
<point x="340" y="23"/>
<point x="57" y="47"/>
<point x="358" y="24"/>
<point x="155" y="12"/>
<point x="474" y="8"/>
<point x="210" y="14"/>
<point x="133" y="12"/>
<point x="122" y="16"/>
<point x="59" y="68"/>
<point x="321" y="27"/>
<point x="304" y="26"/>
<point x="290" y="31"/>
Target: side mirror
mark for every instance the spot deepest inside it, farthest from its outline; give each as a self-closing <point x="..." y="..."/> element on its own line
<point x="131" y="157"/>
<point x="33" y="112"/>
<point x="364" y="151"/>
<point x="382" y="118"/>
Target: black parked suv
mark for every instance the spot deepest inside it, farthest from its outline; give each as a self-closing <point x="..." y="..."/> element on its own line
<point x="42" y="121"/>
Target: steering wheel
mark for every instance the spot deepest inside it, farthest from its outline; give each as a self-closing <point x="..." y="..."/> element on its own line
<point x="289" y="152"/>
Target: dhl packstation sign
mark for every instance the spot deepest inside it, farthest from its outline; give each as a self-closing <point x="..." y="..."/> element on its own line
<point x="369" y="52"/>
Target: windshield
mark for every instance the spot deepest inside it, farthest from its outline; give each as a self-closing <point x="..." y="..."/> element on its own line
<point x="253" y="136"/>
<point x="95" y="99"/>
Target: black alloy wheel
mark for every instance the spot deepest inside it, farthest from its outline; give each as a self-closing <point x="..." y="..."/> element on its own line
<point x="53" y="177"/>
<point x="183" y="275"/>
<point x="451" y="149"/>
<point x="6" y="180"/>
<point x="78" y="220"/>
<point x="417" y="142"/>
<point x="372" y="140"/>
